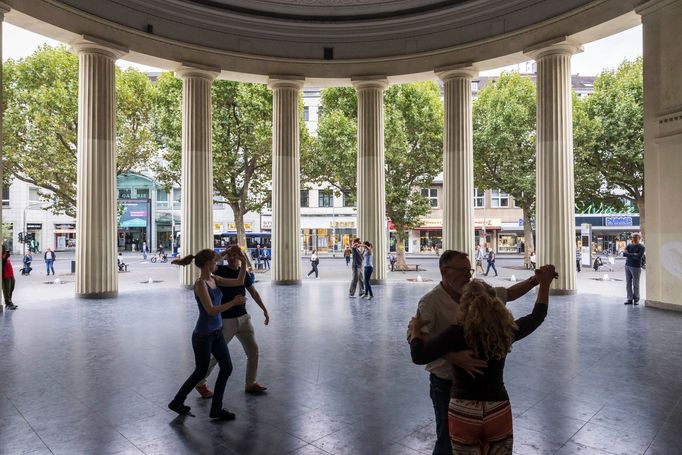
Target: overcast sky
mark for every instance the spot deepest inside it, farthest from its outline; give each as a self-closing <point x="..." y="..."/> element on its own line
<point x="598" y="55"/>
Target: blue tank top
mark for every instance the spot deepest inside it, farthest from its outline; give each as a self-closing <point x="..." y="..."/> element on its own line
<point x="208" y="323"/>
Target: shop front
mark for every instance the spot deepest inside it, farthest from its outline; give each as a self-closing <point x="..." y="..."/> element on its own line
<point x="325" y="235"/>
<point x="133" y="224"/>
<point x="164" y="229"/>
<point x="65" y="237"/>
<point x="486" y="232"/>
<point x="35" y="231"/>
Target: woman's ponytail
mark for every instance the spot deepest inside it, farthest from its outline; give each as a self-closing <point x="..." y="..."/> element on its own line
<point x="183" y="261"/>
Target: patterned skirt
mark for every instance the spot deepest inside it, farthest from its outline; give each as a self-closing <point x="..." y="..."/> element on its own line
<point x="480" y="427"/>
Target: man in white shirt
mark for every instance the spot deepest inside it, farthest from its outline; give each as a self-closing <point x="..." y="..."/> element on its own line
<point x="439" y="306"/>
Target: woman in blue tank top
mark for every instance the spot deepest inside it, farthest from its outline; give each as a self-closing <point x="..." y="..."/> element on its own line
<point x="207" y="337"/>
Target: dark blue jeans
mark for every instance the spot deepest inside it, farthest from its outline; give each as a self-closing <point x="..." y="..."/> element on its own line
<point x="204" y="346"/>
<point x="440" y="395"/>
<point x="368" y="274"/>
<point x="491" y="264"/>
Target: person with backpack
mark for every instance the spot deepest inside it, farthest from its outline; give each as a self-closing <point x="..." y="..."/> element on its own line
<point x="314" y="262"/>
<point x="491" y="261"/>
<point x="50" y="257"/>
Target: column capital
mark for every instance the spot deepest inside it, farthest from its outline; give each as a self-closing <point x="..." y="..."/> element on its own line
<point x="555" y="46"/>
<point x="94" y="45"/>
<point x="286" y="81"/>
<point x="189" y="69"/>
<point x="4" y="9"/>
<point x="459" y="70"/>
<point x="369" y="82"/>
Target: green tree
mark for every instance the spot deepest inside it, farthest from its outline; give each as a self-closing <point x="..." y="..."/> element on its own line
<point x="242" y="142"/>
<point x="504" y="143"/>
<point x="41" y="122"/>
<point x="413" y="149"/>
<point x="609" y="141"/>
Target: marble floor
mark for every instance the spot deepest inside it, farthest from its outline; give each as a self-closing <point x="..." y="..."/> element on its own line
<point x="94" y="377"/>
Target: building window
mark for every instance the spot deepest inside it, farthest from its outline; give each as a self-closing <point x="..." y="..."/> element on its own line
<point x="499" y="198"/>
<point x="176" y="198"/>
<point x="305" y="198"/>
<point x="306" y="113"/>
<point x="5" y="196"/>
<point x="33" y="195"/>
<point x="161" y="199"/>
<point x="348" y="199"/>
<point x="125" y="193"/>
<point x="142" y="193"/>
<point x="479" y="198"/>
<point x="432" y="195"/>
<point x="326" y="198"/>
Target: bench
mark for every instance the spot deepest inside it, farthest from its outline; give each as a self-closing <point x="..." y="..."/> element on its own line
<point x="408" y="268"/>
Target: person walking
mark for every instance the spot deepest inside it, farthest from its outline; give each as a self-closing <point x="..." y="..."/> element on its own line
<point x="634" y="256"/>
<point x="49" y="257"/>
<point x="357" y="269"/>
<point x="27" y="260"/>
<point x="237" y="322"/>
<point x="144" y="251"/>
<point x="314" y="262"/>
<point x="491" y="262"/>
<point x="533" y="260"/>
<point x="479" y="411"/>
<point x="479" y="258"/>
<point x="207" y="337"/>
<point x="440" y="307"/>
<point x="578" y="258"/>
<point x="392" y="260"/>
<point x="8" y="280"/>
<point x="368" y="261"/>
<point x="347" y="254"/>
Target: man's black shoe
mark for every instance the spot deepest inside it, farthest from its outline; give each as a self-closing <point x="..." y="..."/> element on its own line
<point x="627" y="302"/>
<point x="636" y="302"/>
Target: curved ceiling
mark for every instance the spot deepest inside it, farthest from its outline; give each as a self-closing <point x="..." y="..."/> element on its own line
<point x="325" y="39"/>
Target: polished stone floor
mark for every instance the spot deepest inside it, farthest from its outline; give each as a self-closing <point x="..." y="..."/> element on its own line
<point x="94" y="377"/>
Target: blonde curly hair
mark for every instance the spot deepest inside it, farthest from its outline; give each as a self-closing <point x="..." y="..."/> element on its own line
<point x="488" y="325"/>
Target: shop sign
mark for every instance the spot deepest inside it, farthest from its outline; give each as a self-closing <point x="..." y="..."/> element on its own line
<point x="266" y="224"/>
<point x="490" y="223"/>
<point x="134" y="214"/>
<point x="431" y="223"/>
<point x="342" y="224"/>
<point x="64" y="226"/>
<point x="217" y="228"/>
<point x="248" y="227"/>
<point x="619" y="221"/>
<point x="34" y="226"/>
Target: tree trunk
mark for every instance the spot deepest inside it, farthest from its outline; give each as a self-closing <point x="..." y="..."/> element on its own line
<point x="239" y="224"/>
<point x="528" y="235"/>
<point x="400" y="264"/>
<point x="640" y="208"/>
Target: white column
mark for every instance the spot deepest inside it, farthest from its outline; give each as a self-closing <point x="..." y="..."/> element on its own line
<point x="3" y="9"/>
<point x="96" y="270"/>
<point x="286" y="185"/>
<point x="197" y="166"/>
<point x="662" y="219"/>
<point x="458" y="160"/>
<point x="556" y="237"/>
<point x="371" y="178"/>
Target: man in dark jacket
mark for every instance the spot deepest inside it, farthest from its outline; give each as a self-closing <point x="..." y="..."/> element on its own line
<point x="634" y="254"/>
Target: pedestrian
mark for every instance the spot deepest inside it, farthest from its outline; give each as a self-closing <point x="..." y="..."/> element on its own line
<point x="49" y="257"/>
<point x="27" y="260"/>
<point x="440" y="307"/>
<point x="347" y="254"/>
<point x="578" y="257"/>
<point x="8" y="280"/>
<point x="491" y="262"/>
<point x="237" y="322"/>
<point x="266" y="258"/>
<point x="207" y="337"/>
<point x="533" y="260"/>
<point x="392" y="260"/>
<point x="357" y="269"/>
<point x="479" y="258"/>
<point x="479" y="412"/>
<point x="368" y="261"/>
<point x="314" y="262"/>
<point x="634" y="256"/>
<point x="144" y="251"/>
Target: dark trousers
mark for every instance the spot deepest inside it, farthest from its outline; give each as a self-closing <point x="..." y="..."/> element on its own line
<point x="314" y="269"/>
<point x="8" y="289"/>
<point x="347" y="261"/>
<point x="440" y="396"/>
<point x="368" y="274"/>
<point x="205" y="345"/>
<point x="577" y="264"/>
<point x="491" y="264"/>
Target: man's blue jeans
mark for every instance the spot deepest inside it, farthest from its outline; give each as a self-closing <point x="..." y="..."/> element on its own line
<point x="440" y="395"/>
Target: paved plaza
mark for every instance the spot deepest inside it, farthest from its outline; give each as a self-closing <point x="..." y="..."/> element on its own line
<point x="94" y="377"/>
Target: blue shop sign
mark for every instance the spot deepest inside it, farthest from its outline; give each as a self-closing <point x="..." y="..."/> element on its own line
<point x="619" y="221"/>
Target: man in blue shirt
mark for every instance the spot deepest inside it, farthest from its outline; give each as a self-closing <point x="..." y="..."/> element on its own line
<point x="634" y="254"/>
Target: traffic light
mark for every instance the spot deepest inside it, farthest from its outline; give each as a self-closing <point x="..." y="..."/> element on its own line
<point x="21" y="237"/>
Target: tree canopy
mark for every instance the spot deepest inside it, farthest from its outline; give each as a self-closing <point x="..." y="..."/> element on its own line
<point x="41" y="122"/>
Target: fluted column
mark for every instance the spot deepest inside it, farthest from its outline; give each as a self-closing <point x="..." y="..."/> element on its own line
<point x="96" y="270"/>
<point x="556" y="238"/>
<point x="371" y="175"/>
<point x="286" y="185"/>
<point x="3" y="9"/>
<point x="458" y="160"/>
<point x="197" y="165"/>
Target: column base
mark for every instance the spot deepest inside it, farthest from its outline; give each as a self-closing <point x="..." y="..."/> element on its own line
<point x="98" y="295"/>
<point x="663" y="305"/>
<point x="373" y="282"/>
<point x="286" y="282"/>
<point x="563" y="291"/>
